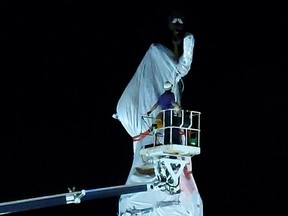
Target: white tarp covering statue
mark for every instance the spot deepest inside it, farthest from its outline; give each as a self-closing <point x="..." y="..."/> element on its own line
<point x="157" y="66"/>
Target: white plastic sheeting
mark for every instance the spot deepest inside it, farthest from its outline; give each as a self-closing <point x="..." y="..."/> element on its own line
<point x="143" y="90"/>
<point x="157" y="66"/>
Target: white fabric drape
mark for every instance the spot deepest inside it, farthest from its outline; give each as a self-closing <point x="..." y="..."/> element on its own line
<point x="157" y="66"/>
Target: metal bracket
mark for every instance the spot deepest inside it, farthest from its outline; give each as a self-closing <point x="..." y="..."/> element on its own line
<point x="75" y="197"/>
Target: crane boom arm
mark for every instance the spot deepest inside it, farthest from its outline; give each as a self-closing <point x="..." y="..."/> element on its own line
<point x="69" y="198"/>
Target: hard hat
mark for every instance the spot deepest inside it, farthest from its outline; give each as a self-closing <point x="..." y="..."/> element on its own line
<point x="167" y="85"/>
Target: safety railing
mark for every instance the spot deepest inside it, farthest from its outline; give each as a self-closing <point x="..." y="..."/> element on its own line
<point x="177" y="127"/>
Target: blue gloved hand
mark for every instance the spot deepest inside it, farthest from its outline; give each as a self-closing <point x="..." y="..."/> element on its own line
<point x="148" y="113"/>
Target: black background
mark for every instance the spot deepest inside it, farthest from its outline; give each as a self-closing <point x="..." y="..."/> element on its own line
<point x="65" y="65"/>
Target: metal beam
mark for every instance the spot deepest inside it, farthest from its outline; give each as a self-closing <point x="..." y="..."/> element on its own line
<point x="69" y="198"/>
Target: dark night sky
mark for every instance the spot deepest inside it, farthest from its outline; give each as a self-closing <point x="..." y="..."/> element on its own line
<point x="64" y="66"/>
